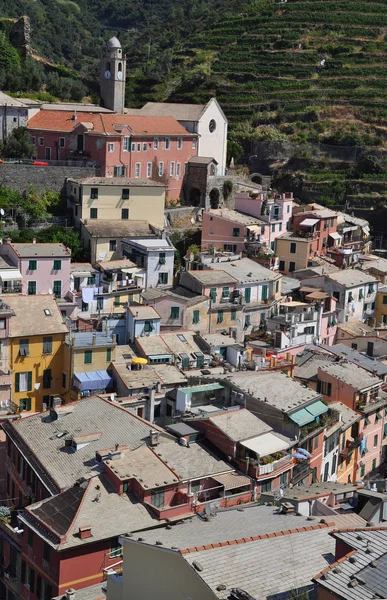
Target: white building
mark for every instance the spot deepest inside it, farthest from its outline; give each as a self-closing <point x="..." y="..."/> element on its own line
<point x="207" y="120"/>
<point x="13" y="114"/>
<point x="155" y="256"/>
<point x="354" y="290"/>
<point x="142" y="321"/>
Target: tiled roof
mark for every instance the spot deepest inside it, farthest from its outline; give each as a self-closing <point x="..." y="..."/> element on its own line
<point x="245" y="270"/>
<point x="239" y="424"/>
<point x="44" y="250"/>
<point x="61" y="467"/>
<point x="351" y="277"/>
<point x="367" y="362"/>
<point x="118" y="181"/>
<point x="106" y="124"/>
<point x="234" y="215"/>
<point x="38" y="322"/>
<point x="350" y="374"/>
<point x="183" y="112"/>
<point x="308" y="363"/>
<point x="116" y="228"/>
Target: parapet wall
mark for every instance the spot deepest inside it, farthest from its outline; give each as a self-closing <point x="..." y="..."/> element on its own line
<point x="19" y="176"/>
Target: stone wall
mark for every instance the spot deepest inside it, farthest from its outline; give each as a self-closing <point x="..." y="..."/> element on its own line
<point x="19" y="176"/>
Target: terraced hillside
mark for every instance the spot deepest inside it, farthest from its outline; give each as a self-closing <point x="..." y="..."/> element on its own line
<point x="315" y="69"/>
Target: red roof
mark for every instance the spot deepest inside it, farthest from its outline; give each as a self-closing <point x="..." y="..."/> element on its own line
<point x="105" y="124"/>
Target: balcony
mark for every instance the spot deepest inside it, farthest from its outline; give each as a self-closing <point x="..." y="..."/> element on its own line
<point x="350" y="447"/>
<point x="277" y="465"/>
<point x="14" y="289"/>
<point x="300" y="471"/>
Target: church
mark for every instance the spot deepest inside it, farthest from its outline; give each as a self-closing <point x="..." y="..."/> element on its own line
<point x="154" y="142"/>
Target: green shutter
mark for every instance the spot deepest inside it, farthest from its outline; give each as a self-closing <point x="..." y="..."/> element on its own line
<point x="220" y="316"/>
<point x="233" y="314"/>
<point x="175" y="310"/>
<point x="29" y="381"/>
<point x="57" y="265"/>
<point x="247" y="294"/>
<point x="88" y="357"/>
<point x="17" y="382"/>
<point x="264" y="292"/>
<point x="196" y="317"/>
<point x="28" y="403"/>
<point x="108" y="355"/>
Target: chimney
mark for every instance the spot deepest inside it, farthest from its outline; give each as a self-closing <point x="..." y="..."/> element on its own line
<point x="154" y="437"/>
<point x="85" y="532"/>
<point x="34" y="240"/>
<point x="70" y="594"/>
<point x="94" y="339"/>
<point x="115" y="454"/>
<point x="152" y="405"/>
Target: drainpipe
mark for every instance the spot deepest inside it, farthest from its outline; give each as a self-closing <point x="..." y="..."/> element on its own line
<point x="152" y="405"/>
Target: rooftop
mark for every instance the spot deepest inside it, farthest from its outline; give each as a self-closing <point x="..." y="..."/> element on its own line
<point x="44" y="316"/>
<point x="356" y="328"/>
<point x="367" y="362"/>
<point x="277" y="389"/>
<point x="143" y="312"/>
<point x="348" y="416"/>
<point x="152" y="244"/>
<point x="308" y="363"/>
<point x="42" y="437"/>
<point x="42" y="250"/>
<point x="92" y="592"/>
<point x="153" y="345"/>
<point x="116" y="228"/>
<point x="362" y="574"/>
<point x="181" y="342"/>
<point x="182" y="112"/>
<point x="144" y="465"/>
<point x="135" y="379"/>
<point x="351" y="277"/>
<point x="240" y="424"/>
<point x="208" y="277"/>
<point x="6" y="100"/>
<point x="118" y="181"/>
<point x="234" y="215"/>
<point x="83" y="339"/>
<point x="189" y="298"/>
<point x="115" y="265"/>
<point x="315" y="490"/>
<point x="81" y="268"/>
<point x="169" y="374"/>
<point x="351" y="374"/>
<point x="246" y="270"/>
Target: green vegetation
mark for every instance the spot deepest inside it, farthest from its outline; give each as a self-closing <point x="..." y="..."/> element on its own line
<point x="17" y="145"/>
<point x="30" y="207"/>
<point x="62" y="235"/>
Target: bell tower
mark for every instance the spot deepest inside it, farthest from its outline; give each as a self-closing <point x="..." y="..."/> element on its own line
<point x="112" y="77"/>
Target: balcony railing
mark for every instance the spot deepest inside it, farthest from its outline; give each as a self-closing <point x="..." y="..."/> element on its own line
<point x="350" y="447"/>
<point x="281" y="463"/>
<point x="300" y="472"/>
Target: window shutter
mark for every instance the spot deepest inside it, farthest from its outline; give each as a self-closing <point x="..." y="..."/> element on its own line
<point x="29" y="381"/>
<point x="28" y="403"/>
<point x="17" y="382"/>
<point x="329" y="389"/>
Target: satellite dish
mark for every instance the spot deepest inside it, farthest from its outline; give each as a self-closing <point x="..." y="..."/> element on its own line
<point x="50" y="291"/>
<point x="101" y="255"/>
<point x="2" y="212"/>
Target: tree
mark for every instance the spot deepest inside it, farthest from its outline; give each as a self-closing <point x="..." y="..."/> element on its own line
<point x="18" y="144"/>
<point x="368" y="163"/>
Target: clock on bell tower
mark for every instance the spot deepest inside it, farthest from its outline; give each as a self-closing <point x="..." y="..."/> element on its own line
<point x="113" y="75"/>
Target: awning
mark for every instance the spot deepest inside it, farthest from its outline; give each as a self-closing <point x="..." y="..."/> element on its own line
<point x="254" y="228"/>
<point x="231" y="481"/>
<point x="317" y="408"/>
<point x="266" y="444"/>
<point x="308" y="414"/>
<point x="83" y="273"/>
<point x="345" y="229"/>
<point x="309" y="222"/>
<point x="334" y="235"/>
<point x="10" y="275"/>
<point x="93" y="380"/>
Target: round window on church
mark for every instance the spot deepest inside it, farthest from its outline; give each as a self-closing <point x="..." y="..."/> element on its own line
<point x="212" y="125"/>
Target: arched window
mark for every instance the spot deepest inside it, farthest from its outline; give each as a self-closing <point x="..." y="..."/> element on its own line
<point x="120" y="66"/>
<point x="108" y="66"/>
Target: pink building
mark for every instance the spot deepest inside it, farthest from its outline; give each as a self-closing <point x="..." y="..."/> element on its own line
<point x="43" y="268"/>
<point x="122" y="145"/>
<point x="274" y="210"/>
<point x="355" y="387"/>
<point x="230" y="230"/>
<point x="321" y="224"/>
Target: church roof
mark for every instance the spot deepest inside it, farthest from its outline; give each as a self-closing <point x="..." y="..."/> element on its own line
<point x="106" y="124"/>
<point x="113" y="43"/>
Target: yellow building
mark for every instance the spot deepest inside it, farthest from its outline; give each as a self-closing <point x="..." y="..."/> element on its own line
<point x="88" y="355"/>
<point x="36" y="351"/>
<point x="381" y="307"/>
<point x="107" y="198"/>
<point x="294" y="252"/>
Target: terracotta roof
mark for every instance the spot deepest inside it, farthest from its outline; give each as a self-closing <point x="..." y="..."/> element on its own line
<point x="106" y="124"/>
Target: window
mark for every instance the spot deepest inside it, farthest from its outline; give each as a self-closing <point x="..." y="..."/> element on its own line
<point x="138" y="147"/>
<point x="85" y="306"/>
<point x="115" y="548"/>
<point x="384" y="299"/>
<point x="309" y="331"/>
<point x="354" y="346"/>
<point x="213" y="294"/>
<point x="233" y="314"/>
<point x="196" y="317"/>
<point x="57" y="288"/>
<point x="374" y="464"/>
<point x="162" y="258"/>
<point x="220" y="316"/>
<point x="272" y="245"/>
<point x="47" y="345"/>
<point x="145" y="147"/>
<point x="99" y="303"/>
<point x="47" y="154"/>
<point x="64" y="380"/>
<point x="156" y="143"/>
<point x="148" y="326"/>
<point x="370" y="288"/>
<point x="375" y="441"/>
<point x="276" y="286"/>
<point x="167" y="143"/>
<point x="94" y="213"/>
<point x="137" y="170"/>
<point x="41" y="141"/>
<point x="47" y="379"/>
<point x="282" y="265"/>
<point x="179" y="143"/>
<point x="25" y="404"/>
<point x="57" y="265"/>
<point x="161" y="169"/>
<point x="32" y="288"/>
<point x="33" y="140"/>
<point x="108" y="354"/>
<point x="361" y="294"/>
<point x="125" y="214"/>
<point x="163" y="278"/>
<point x="94" y="193"/>
<point x="24" y="347"/>
<point x="32" y="265"/>
<point x="157" y="498"/>
<point x="226" y="292"/>
<point x="194" y="144"/>
<point x="265" y="290"/>
<point x="23" y="381"/>
<point x="273" y="228"/>
<point x="279" y="226"/>
<point x="247" y="295"/>
<point x="247" y="321"/>
<point x="362" y="471"/>
<point x="266" y="486"/>
<point x="110" y="147"/>
<point x="62" y="142"/>
<point x="236" y="232"/>
<point x="172" y="169"/>
<point x="149" y="170"/>
<point x="88" y="357"/>
<point x="125" y="194"/>
<point x="175" y="312"/>
<point x="292" y="266"/>
<point x="126" y="144"/>
<point x="133" y="147"/>
<point x="46" y="552"/>
<point x="293" y="247"/>
<point x="288" y="208"/>
<point x="325" y="388"/>
<point x="119" y="171"/>
<point x="178" y="169"/>
<point x="212" y="126"/>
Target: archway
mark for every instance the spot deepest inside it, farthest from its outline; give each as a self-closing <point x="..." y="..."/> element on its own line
<point x="194" y="197"/>
<point x="256" y="178"/>
<point x="214" y="198"/>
